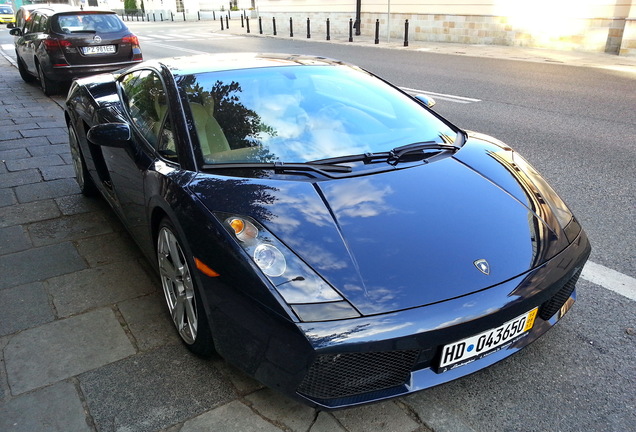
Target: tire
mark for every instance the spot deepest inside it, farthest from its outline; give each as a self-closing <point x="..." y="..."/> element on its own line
<point x="82" y="176"/>
<point x="181" y="293"/>
<point x="24" y="73"/>
<point x="48" y="86"/>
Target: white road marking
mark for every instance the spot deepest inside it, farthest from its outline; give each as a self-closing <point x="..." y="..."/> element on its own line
<point x="442" y="96"/>
<point x="610" y="279"/>
<point x="180" y="49"/>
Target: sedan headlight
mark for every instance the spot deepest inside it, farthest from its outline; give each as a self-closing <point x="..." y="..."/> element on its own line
<point x="308" y="294"/>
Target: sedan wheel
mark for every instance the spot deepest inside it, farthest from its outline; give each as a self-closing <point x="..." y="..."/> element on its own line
<point x="26" y="76"/>
<point x="180" y="292"/>
<point x="84" y="180"/>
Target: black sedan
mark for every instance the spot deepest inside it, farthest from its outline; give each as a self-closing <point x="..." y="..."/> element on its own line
<point x="321" y="229"/>
<point x="57" y="43"/>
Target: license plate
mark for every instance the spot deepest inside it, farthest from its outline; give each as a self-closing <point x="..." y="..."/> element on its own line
<point x="98" y="49"/>
<point x="478" y="346"/>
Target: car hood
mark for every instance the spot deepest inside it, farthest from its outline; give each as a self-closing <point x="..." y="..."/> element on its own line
<point x="407" y="237"/>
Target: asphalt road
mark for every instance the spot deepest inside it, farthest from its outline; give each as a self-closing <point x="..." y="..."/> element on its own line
<point x="577" y="126"/>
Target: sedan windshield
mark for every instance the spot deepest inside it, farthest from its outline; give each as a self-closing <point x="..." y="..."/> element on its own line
<point x="298" y="114"/>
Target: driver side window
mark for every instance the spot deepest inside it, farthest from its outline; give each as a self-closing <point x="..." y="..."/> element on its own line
<point x="146" y="102"/>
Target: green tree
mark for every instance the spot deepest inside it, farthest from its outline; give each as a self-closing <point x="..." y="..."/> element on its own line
<point x="130" y="5"/>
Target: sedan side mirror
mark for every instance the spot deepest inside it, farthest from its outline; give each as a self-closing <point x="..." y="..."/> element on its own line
<point x="426" y="100"/>
<point x="15" y="31"/>
<point x="109" y="134"/>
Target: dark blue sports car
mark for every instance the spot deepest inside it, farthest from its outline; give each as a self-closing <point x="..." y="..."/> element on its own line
<point x="321" y="229"/>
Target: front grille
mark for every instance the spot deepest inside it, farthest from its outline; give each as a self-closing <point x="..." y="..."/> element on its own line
<point x="340" y="375"/>
<point x="551" y="306"/>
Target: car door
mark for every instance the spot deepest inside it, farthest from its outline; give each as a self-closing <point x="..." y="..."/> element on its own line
<point x="25" y="45"/>
<point x="144" y="100"/>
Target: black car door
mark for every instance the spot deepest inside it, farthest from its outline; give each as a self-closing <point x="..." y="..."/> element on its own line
<point x="28" y="42"/>
<point x="149" y="156"/>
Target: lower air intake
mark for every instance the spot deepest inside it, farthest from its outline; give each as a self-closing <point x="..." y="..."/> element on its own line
<point x="340" y="375"/>
<point x="551" y="306"/>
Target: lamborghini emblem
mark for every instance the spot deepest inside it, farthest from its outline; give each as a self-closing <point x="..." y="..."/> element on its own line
<point x="483" y="266"/>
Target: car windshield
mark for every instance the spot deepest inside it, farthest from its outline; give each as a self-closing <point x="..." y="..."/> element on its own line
<point x="88" y="22"/>
<point x="303" y="113"/>
<point x="6" y="10"/>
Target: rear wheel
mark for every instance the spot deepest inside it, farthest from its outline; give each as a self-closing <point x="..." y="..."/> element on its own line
<point x="182" y="296"/>
<point x="84" y="180"/>
<point x="24" y="74"/>
<point x="49" y="87"/>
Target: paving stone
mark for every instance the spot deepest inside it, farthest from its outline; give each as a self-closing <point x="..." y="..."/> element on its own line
<point x="13" y="239"/>
<point x="18" y="153"/>
<point x="376" y="417"/>
<point x="23" y="307"/>
<point x="282" y="410"/>
<point x="79" y="291"/>
<point x="325" y="422"/>
<point x="435" y="414"/>
<point x="75" y="204"/>
<point x="29" y="133"/>
<point x="30" y="212"/>
<point x="23" y="143"/>
<point x="243" y="384"/>
<point x="44" y="190"/>
<point x="67" y="228"/>
<point x="34" y="162"/>
<point x="149" y="321"/>
<point x="12" y="179"/>
<point x="57" y="172"/>
<point x="108" y="248"/>
<point x="39" y="264"/>
<point x="43" y="150"/>
<point x="231" y="417"/>
<point x="55" y="409"/>
<point x="171" y="385"/>
<point x="9" y="135"/>
<point x="56" y="351"/>
<point x="7" y="198"/>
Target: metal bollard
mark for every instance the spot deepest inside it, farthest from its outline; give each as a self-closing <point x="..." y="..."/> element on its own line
<point x="184" y="15"/>
<point x="328" y="35"/>
<point x="247" y="22"/>
<point x="274" y="24"/>
<point x="308" y="29"/>
<point x="213" y="15"/>
<point x="406" y="33"/>
<point x="242" y="22"/>
<point x="171" y="16"/>
<point x="291" y="27"/>
<point x="221" y="23"/>
<point x="161" y="16"/>
<point x="350" y="30"/>
<point x="260" y="25"/>
<point x="198" y="15"/>
<point x="377" y="31"/>
<point x="227" y="21"/>
<point x="153" y="17"/>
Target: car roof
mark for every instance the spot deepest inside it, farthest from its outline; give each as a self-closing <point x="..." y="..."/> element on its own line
<point x="63" y="8"/>
<point x="233" y="61"/>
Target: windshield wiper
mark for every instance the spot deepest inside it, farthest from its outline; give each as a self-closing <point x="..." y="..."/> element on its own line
<point x="282" y="167"/>
<point x="392" y="156"/>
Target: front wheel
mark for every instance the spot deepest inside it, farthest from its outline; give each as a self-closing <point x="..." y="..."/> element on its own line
<point x="49" y="87"/>
<point x="84" y="180"/>
<point x="179" y="288"/>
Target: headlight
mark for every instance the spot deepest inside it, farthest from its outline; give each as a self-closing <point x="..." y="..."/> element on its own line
<point x="308" y="294"/>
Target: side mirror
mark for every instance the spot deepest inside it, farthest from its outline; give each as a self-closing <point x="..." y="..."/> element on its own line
<point x="15" y="31"/>
<point x="109" y="134"/>
<point x="426" y="100"/>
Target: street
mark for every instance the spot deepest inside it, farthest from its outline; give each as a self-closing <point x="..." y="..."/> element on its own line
<point x="577" y="126"/>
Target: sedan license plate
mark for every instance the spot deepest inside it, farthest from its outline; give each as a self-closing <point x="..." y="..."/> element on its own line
<point x="478" y="346"/>
<point x="98" y="49"/>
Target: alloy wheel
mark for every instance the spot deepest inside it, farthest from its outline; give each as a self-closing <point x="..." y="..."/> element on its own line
<point x="177" y="284"/>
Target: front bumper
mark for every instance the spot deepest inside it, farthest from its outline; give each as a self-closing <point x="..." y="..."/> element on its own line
<point x="343" y="363"/>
